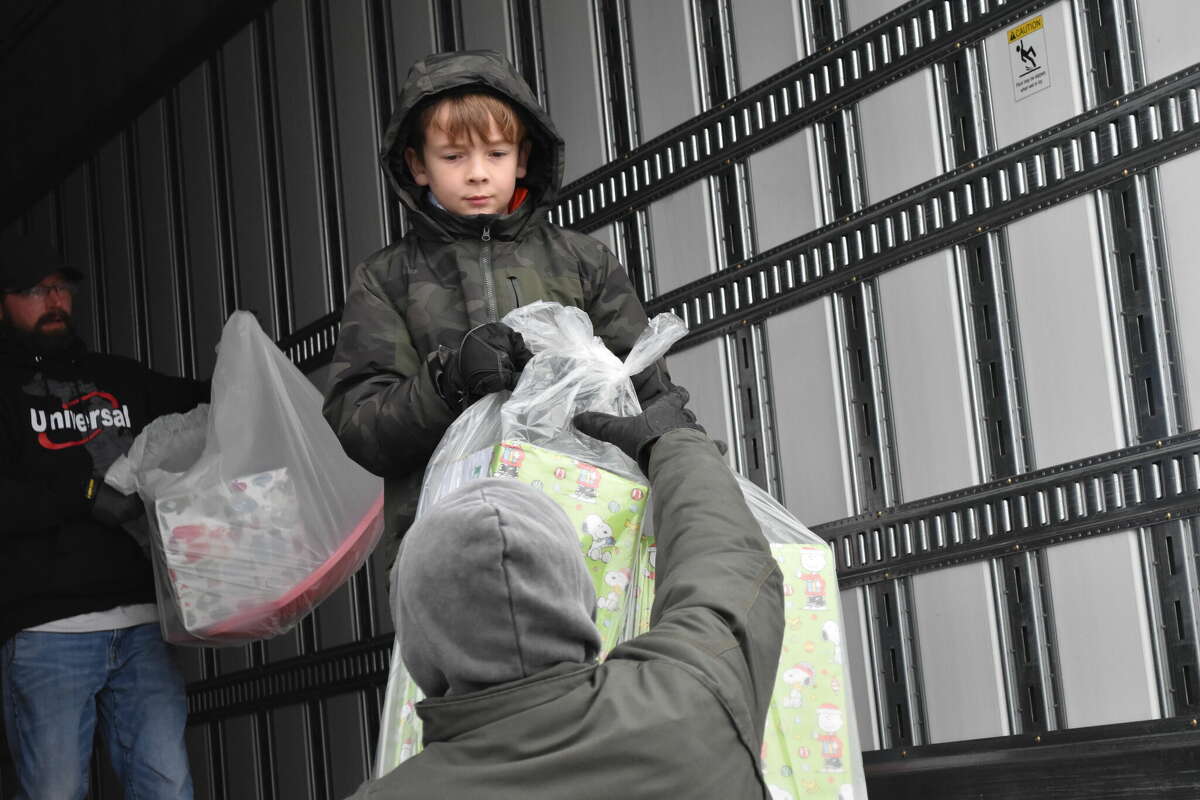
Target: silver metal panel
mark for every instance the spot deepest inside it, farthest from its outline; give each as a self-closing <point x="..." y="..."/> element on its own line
<point x="232" y="659"/>
<point x="195" y="138"/>
<point x="77" y="249"/>
<point x="808" y="419"/>
<point x="241" y="757"/>
<point x="335" y="618"/>
<point x="927" y="377"/>
<point x="664" y="61"/>
<point x="283" y="647"/>
<point x="248" y="197"/>
<point x="349" y="752"/>
<point x="960" y="657"/>
<point x="290" y="726"/>
<point x="1015" y="119"/>
<point x="573" y="83"/>
<point x="485" y="25"/>
<point x="702" y="371"/>
<point x="901" y="144"/>
<point x="768" y="36"/>
<point x="196" y="739"/>
<point x="117" y="276"/>
<point x="383" y="616"/>
<point x="860" y="12"/>
<point x="304" y="221"/>
<point x="681" y="228"/>
<point x="358" y="133"/>
<point x="785" y="190"/>
<point x="1169" y="41"/>
<point x="412" y="34"/>
<point x="1100" y="614"/>
<point x="41" y="221"/>
<point x="1064" y="332"/>
<point x="1179" y="186"/>
<point x="191" y="663"/>
<point x="160" y="272"/>
<point x="607" y="236"/>
<point x="857" y="655"/>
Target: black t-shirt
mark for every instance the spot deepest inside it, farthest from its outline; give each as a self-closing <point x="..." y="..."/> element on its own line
<point x="63" y="420"/>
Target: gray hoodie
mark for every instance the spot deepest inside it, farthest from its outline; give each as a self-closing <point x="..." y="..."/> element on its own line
<point x="677" y="712"/>
<point x="490" y="587"/>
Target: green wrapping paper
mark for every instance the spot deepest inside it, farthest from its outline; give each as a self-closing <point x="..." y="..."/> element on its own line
<point x="810" y="747"/>
<point x="606" y="511"/>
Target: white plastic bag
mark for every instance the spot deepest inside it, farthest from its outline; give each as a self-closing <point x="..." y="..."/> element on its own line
<point x="256" y="513"/>
<point x="572" y="371"/>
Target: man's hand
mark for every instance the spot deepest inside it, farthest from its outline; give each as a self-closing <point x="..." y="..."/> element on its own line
<point x="637" y="435"/>
<point x="489" y="359"/>
<point x="110" y="507"/>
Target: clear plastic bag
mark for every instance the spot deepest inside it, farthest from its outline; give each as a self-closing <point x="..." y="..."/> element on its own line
<point x="256" y="513"/>
<point x="572" y="371"/>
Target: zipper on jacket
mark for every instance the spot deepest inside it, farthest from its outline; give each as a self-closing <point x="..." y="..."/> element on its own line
<point x="512" y="283"/>
<point x="489" y="280"/>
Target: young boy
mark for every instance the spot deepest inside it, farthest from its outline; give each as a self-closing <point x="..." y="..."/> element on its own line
<point x="477" y="162"/>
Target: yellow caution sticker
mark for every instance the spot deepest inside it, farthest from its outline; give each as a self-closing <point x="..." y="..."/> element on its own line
<point x="1028" y="53"/>
<point x="1026" y="28"/>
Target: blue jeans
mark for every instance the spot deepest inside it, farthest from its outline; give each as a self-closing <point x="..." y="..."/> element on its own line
<point x="56" y="686"/>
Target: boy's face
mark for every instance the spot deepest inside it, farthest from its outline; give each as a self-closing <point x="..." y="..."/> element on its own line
<point x="469" y="177"/>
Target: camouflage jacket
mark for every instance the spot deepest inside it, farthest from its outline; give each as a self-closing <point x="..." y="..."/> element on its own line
<point x="447" y="275"/>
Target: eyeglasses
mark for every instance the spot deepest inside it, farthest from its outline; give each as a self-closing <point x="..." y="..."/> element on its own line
<point x="42" y="292"/>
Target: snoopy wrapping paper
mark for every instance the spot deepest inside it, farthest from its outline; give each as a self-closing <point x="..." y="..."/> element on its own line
<point x="810" y="745"/>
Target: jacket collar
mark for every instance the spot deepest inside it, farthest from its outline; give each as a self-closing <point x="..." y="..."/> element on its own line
<point x="435" y="222"/>
<point x="448" y="717"/>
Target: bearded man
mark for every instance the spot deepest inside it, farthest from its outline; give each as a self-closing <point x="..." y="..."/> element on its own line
<point x="81" y="647"/>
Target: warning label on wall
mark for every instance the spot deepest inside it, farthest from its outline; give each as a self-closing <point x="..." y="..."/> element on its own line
<point x="1027" y="55"/>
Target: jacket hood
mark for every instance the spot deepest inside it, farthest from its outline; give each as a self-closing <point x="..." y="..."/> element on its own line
<point x="490" y="72"/>
<point x="491" y="587"/>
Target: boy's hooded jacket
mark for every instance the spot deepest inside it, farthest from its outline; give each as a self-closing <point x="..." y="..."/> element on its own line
<point x="450" y="274"/>
<point x="64" y="419"/>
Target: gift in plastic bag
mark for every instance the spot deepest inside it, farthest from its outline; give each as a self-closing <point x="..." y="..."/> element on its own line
<point x="256" y="513"/>
<point x="571" y="372"/>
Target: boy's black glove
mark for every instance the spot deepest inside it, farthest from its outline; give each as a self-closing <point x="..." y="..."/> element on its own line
<point x="489" y="358"/>
<point x="110" y="507"/>
<point x="637" y="435"/>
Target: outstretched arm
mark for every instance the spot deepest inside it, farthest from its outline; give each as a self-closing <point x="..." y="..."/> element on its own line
<point x="718" y="603"/>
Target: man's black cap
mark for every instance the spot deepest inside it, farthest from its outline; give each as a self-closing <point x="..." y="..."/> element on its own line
<point x="26" y="260"/>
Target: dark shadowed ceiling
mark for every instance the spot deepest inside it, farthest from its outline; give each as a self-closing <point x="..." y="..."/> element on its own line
<point x="74" y="72"/>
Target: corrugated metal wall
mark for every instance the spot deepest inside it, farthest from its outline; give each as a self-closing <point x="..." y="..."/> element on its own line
<point x="253" y="184"/>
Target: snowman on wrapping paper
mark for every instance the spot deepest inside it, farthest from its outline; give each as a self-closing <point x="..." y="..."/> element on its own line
<point x="602" y="538"/>
<point x="829" y="720"/>
<point x="811" y="563"/>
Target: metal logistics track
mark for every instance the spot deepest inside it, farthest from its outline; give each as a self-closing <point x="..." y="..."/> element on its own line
<point x="1124" y="137"/>
<point x="330" y="672"/>
<point x="1124" y="489"/>
<point x="888" y="49"/>
<point x="1143" y="485"/>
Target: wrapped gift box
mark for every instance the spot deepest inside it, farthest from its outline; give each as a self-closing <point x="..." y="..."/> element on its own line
<point x="605" y="509"/>
<point x="810" y="748"/>
<point x="238" y="563"/>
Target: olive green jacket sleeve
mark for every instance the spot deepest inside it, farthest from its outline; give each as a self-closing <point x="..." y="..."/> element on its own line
<point x="718" y="605"/>
<point x="381" y="400"/>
